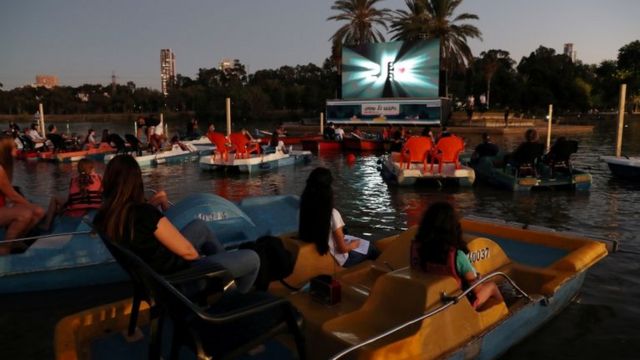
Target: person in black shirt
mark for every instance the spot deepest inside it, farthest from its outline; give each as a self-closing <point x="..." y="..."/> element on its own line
<point x="486" y="148"/>
<point x="529" y="151"/>
<point x="329" y="132"/>
<point x="125" y="217"/>
<point x="56" y="139"/>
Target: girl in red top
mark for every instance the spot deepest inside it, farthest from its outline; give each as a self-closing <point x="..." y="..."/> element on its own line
<point x="17" y="214"/>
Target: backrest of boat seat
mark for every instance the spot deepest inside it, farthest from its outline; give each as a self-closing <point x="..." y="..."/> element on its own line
<point x="486" y="256"/>
<point x="272" y="215"/>
<point x="398" y="297"/>
<point x="309" y="262"/>
<point x="395" y="250"/>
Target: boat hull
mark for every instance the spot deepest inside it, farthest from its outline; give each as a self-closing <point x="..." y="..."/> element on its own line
<point x="505" y="178"/>
<point x="394" y="174"/>
<point x="521" y="324"/>
<point x="623" y="167"/>
<point x="174" y="156"/>
<point x="256" y="163"/>
<point x="322" y="145"/>
<point x="355" y="144"/>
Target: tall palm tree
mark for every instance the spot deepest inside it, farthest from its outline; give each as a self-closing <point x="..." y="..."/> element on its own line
<point x="430" y="19"/>
<point x="363" y="19"/>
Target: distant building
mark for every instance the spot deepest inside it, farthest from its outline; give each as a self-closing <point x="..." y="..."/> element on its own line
<point x="47" y="81"/>
<point x="167" y="70"/>
<point x="225" y="64"/>
<point x="568" y="50"/>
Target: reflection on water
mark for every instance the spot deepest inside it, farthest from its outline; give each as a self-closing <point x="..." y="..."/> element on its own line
<point x="373" y="210"/>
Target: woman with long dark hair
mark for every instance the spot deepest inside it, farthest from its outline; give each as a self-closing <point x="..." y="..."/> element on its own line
<point x="17" y="214"/>
<point x="127" y="218"/>
<point x="439" y="248"/>
<point x="322" y="224"/>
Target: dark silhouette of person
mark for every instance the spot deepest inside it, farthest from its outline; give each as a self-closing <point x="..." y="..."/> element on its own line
<point x="486" y="148"/>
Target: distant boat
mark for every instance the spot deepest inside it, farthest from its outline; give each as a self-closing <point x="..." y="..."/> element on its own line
<point x="508" y="177"/>
<point x="175" y="155"/>
<point x="393" y="170"/>
<point x="320" y="145"/>
<point x="255" y="162"/>
<point x="358" y="144"/>
<point x="623" y="166"/>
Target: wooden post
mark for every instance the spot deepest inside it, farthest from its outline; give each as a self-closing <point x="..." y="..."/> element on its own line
<point x="321" y="123"/>
<point x="623" y="95"/>
<point x="41" y="120"/>
<point x="228" y="108"/>
<point x="549" y="127"/>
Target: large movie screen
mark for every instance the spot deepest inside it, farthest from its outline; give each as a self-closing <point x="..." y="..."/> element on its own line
<point x="393" y="69"/>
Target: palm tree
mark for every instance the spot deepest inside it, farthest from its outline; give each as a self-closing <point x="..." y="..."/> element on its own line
<point x="363" y="19"/>
<point x="434" y="19"/>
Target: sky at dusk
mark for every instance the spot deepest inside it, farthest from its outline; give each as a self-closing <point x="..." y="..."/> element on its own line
<point x="83" y="41"/>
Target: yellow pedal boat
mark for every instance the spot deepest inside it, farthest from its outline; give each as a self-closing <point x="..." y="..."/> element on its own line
<point x="388" y="310"/>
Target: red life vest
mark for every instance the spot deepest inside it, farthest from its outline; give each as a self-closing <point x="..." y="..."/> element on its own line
<point x="448" y="269"/>
<point x="78" y="203"/>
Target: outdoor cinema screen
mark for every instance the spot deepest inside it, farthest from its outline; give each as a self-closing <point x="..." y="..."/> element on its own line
<point x="391" y="70"/>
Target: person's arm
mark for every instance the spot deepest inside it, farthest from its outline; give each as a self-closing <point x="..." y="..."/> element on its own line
<point x="160" y="199"/>
<point x="341" y="246"/>
<point x="7" y="189"/>
<point x="170" y="237"/>
<point x="483" y="291"/>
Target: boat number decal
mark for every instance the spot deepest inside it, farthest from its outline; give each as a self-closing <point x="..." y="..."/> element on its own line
<point x="213" y="216"/>
<point x="479" y="255"/>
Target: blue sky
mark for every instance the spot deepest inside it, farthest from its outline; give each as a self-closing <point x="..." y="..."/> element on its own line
<point x="83" y="41"/>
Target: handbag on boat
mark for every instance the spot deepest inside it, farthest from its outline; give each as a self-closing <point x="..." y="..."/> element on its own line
<point x="325" y="289"/>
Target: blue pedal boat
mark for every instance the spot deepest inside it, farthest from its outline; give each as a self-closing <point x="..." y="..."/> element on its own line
<point x="73" y="257"/>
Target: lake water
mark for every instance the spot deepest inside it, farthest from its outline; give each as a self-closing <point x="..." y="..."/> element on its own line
<point x="601" y="323"/>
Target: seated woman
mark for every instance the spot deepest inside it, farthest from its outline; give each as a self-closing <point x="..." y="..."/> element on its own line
<point x="90" y="141"/>
<point x="276" y="145"/>
<point x="35" y="136"/>
<point x="321" y="223"/>
<point x="485" y="149"/>
<point x="438" y="248"/>
<point x="125" y="217"/>
<point x="17" y="214"/>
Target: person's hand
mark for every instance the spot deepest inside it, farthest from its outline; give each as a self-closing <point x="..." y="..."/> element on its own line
<point x="354" y="244"/>
<point x="160" y="199"/>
